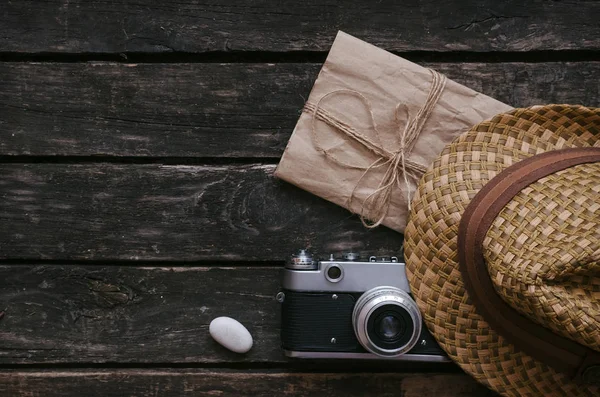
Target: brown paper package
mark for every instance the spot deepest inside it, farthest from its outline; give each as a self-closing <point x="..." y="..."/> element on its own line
<point x="345" y="145"/>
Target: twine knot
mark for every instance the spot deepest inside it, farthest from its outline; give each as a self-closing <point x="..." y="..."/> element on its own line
<point x="375" y="207"/>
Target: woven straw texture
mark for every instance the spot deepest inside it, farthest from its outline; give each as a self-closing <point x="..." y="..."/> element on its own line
<point x="543" y="253"/>
<point x="556" y="284"/>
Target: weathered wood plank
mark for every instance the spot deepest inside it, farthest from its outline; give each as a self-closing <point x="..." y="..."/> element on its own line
<point x="158" y="383"/>
<point x="214" y="110"/>
<point x="155" y="212"/>
<point x="145" y="315"/>
<point x="70" y="26"/>
<point x="150" y="110"/>
<point x="66" y="314"/>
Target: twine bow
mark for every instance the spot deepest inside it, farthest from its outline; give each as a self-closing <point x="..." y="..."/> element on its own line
<point x="397" y="163"/>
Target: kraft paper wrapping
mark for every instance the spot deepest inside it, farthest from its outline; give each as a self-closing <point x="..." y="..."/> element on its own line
<point x="345" y="145"/>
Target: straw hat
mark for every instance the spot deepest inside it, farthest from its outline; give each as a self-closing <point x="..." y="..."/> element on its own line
<point x="502" y="251"/>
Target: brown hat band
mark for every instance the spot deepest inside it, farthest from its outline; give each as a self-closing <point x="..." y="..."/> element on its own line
<point x="563" y="354"/>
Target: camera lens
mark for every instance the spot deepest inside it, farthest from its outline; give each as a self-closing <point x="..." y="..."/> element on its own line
<point x="388" y="327"/>
<point x="386" y="321"/>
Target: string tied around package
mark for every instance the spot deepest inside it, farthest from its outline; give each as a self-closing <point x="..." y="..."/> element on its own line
<point x="397" y="165"/>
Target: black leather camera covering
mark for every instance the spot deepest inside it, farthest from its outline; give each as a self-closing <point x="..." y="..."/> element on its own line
<point x="310" y="320"/>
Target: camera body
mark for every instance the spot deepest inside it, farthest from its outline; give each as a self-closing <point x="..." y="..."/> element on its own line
<point x="347" y="308"/>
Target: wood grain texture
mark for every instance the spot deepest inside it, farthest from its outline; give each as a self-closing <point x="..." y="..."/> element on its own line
<point x="214" y="110"/>
<point x="196" y="110"/>
<point x="183" y="213"/>
<point x="149" y="315"/>
<point x="77" y="314"/>
<point x="158" y="383"/>
<point x="74" y="26"/>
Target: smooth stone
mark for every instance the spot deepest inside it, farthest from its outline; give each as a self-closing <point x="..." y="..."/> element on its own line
<point x="231" y="334"/>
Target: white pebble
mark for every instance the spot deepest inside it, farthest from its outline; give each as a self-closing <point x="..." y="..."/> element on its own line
<point x="231" y="334"/>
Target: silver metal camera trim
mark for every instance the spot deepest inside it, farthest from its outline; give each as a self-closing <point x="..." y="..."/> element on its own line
<point x="372" y="300"/>
<point x="359" y="276"/>
<point x="367" y="356"/>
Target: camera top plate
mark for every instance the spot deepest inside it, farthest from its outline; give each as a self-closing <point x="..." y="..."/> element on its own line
<point x="344" y="273"/>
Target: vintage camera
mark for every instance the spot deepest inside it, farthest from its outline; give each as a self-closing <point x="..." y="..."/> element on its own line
<point x="345" y="307"/>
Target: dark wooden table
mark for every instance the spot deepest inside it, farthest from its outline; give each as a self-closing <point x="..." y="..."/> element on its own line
<point x="137" y="203"/>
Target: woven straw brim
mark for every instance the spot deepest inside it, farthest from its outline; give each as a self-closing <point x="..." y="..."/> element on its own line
<point x="461" y="170"/>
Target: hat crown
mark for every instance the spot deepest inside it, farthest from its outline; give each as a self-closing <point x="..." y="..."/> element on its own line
<point x="475" y="341"/>
<point x="543" y="253"/>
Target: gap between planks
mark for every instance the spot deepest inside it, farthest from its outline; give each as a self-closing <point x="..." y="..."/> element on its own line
<point x="254" y="57"/>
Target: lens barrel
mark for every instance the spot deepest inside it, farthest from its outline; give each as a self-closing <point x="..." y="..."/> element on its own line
<point x="386" y="321"/>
